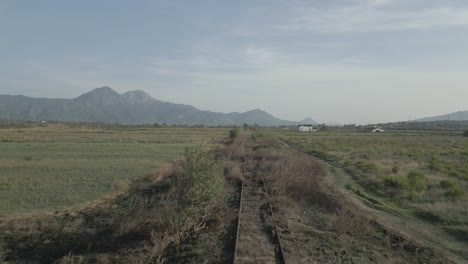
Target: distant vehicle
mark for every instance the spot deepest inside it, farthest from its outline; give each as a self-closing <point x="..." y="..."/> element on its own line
<point x="377" y="130"/>
<point x="306" y="128"/>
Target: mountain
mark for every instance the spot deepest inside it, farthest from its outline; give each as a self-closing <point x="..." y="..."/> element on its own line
<point x="456" y="116"/>
<point x="308" y="121"/>
<point x="105" y="105"/>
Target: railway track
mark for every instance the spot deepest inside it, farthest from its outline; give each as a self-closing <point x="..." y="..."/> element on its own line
<point x="257" y="239"/>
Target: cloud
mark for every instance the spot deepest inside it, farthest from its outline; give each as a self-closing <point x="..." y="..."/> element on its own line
<point x="381" y="2"/>
<point x="377" y="15"/>
<point x="229" y="61"/>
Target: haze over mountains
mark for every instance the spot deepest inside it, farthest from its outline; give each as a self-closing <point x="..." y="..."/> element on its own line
<point x="456" y="116"/>
<point x="105" y="105"/>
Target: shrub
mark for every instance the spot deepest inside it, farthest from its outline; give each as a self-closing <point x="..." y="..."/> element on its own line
<point x="395" y="169"/>
<point x="465" y="134"/>
<point x="322" y="154"/>
<point x="436" y="164"/>
<point x="347" y="163"/>
<point x="396" y="182"/>
<point x="454" y="193"/>
<point x="448" y="183"/>
<point x="416" y="181"/>
<point x="367" y="167"/>
<point x="233" y="133"/>
<point x="200" y="184"/>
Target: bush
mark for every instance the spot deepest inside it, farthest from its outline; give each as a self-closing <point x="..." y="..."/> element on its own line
<point x="448" y="183"/>
<point x="454" y="193"/>
<point x="367" y="167"/>
<point x="416" y="181"/>
<point x="436" y="164"/>
<point x="396" y="182"/>
<point x="233" y="133"/>
<point x="395" y="169"/>
<point x="465" y="134"/>
<point x="200" y="184"/>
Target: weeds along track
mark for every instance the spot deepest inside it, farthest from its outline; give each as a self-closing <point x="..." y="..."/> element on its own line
<point x="257" y="240"/>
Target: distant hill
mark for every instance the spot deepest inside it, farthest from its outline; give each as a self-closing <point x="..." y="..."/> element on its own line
<point x="456" y="116"/>
<point x="308" y="121"/>
<point x="105" y="105"/>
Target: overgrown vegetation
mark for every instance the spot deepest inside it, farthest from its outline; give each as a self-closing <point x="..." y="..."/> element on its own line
<point x="200" y="184"/>
<point x="319" y="224"/>
<point x="402" y="172"/>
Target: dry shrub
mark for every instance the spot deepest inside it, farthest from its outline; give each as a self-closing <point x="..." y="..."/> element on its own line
<point x="347" y="222"/>
<point x="72" y="259"/>
<point x="156" y="245"/>
<point x="237" y="150"/>
<point x="296" y="176"/>
<point x="159" y="241"/>
<point x="137" y="220"/>
<point x="167" y="170"/>
<point x="34" y="226"/>
<point x="233" y="170"/>
<point x="104" y="259"/>
<point x="266" y="152"/>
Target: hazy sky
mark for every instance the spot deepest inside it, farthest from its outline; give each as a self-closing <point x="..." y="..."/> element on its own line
<point x="337" y="61"/>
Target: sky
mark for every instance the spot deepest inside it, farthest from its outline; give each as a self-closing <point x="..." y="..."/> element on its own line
<point x="336" y="61"/>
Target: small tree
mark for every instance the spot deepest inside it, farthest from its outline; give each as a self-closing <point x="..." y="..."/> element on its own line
<point x="233" y="133"/>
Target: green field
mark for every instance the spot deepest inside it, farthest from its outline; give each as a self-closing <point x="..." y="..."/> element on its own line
<point x="418" y="177"/>
<point x="55" y="166"/>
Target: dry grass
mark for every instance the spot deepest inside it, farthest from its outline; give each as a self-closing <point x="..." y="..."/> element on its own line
<point x="294" y="175"/>
<point x="233" y="170"/>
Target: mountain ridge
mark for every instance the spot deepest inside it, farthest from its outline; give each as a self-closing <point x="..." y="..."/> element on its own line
<point x="455" y="116"/>
<point x="105" y="105"/>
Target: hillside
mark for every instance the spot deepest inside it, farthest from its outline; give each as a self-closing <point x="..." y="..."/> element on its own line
<point x="456" y="116"/>
<point x="105" y="105"/>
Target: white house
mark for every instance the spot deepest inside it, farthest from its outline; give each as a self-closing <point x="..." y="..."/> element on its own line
<point x="306" y="128"/>
<point x="377" y="130"/>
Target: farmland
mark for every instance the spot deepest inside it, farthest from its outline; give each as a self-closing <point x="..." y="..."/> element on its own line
<point x="415" y="181"/>
<point x="102" y="195"/>
<point x="47" y="167"/>
<point x="215" y="206"/>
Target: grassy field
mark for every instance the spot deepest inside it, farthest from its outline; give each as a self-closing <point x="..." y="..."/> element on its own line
<point x="417" y="175"/>
<point x="187" y="212"/>
<point x="55" y="166"/>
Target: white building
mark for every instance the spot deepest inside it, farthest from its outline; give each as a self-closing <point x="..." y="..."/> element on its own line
<point x="377" y="130"/>
<point x="306" y="128"/>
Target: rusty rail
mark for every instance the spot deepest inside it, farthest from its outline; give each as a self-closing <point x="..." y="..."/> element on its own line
<point x="238" y="222"/>
<point x="281" y="254"/>
<point x="278" y="236"/>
